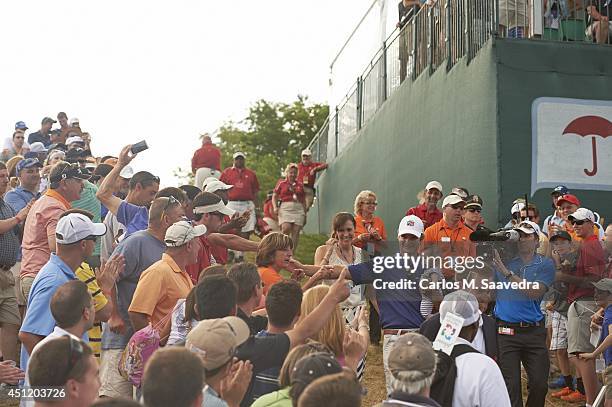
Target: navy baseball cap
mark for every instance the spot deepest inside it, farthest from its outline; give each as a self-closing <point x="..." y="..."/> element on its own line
<point x="27" y="163"/>
<point x="20" y="126"/>
<point x="561" y="190"/>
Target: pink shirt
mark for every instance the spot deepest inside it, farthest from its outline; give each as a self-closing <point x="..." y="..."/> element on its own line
<point x="39" y="225"/>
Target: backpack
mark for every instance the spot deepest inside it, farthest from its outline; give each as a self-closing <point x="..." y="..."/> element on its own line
<point x="137" y="352"/>
<point x="443" y="386"/>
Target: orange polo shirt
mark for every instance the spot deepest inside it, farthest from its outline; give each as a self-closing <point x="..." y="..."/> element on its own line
<point x="362" y="226"/>
<point x="269" y="277"/>
<point x="452" y="242"/>
<point x="159" y="288"/>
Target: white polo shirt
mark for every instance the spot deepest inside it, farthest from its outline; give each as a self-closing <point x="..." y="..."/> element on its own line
<point x="479" y="381"/>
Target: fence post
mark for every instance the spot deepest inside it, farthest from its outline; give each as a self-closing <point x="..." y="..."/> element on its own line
<point x="384" y="74"/>
<point x="468" y="30"/>
<point x="447" y="36"/>
<point x="359" y="96"/>
<point x="415" y="47"/>
<point x="430" y="41"/>
<point x="336" y="133"/>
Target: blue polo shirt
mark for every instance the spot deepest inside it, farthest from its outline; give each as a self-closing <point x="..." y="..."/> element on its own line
<point x="38" y="319"/>
<point x="513" y="305"/>
<point x="399" y="307"/>
<point x="134" y="217"/>
<point x="17" y="199"/>
<point x="605" y="329"/>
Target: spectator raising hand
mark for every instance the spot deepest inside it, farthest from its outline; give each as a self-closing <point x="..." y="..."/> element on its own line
<point x="235" y="385"/>
<point x="107" y="274"/>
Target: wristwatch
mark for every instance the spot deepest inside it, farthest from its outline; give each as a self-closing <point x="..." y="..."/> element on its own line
<point x="509" y="275"/>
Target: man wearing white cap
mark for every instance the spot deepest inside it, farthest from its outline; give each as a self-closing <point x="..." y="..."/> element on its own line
<point x="399" y="305"/>
<point x="75" y="237"/>
<point x="450" y="237"/>
<point x="215" y="341"/>
<point x="307" y="173"/>
<point x="210" y="211"/>
<point x="590" y="268"/>
<point x="520" y="322"/>
<point x="165" y="282"/>
<point x="243" y="195"/>
<point x="427" y="210"/>
<point x="479" y="381"/>
<point x="206" y="161"/>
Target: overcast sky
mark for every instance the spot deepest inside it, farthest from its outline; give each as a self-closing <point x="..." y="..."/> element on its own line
<point x="165" y="70"/>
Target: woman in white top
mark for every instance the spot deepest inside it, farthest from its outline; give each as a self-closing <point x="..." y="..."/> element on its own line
<point x="339" y="250"/>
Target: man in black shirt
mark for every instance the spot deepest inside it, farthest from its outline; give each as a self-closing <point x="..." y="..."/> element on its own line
<point x="42" y="135"/>
<point x="599" y="15"/>
<point x="250" y="290"/>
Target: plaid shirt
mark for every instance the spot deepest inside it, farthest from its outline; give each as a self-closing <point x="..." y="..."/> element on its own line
<point x="9" y="241"/>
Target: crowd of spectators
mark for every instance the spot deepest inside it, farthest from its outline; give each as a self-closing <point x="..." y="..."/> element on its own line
<point x="117" y="290"/>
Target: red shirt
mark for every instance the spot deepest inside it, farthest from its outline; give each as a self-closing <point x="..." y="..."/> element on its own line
<point x="286" y="191"/>
<point x="428" y="218"/>
<point x="304" y="175"/>
<point x="267" y="209"/>
<point x="207" y="156"/>
<point x="592" y="262"/>
<point x="219" y="253"/>
<point x="244" y="181"/>
<point x="194" y="270"/>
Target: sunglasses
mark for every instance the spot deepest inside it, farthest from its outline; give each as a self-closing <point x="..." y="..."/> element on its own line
<point x="370" y="203"/>
<point x="76" y="353"/>
<point x="578" y="222"/>
<point x="474" y="210"/>
<point x="171" y="201"/>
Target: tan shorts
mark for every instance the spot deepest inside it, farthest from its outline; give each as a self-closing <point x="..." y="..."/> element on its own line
<point x="9" y="311"/>
<point x="608" y="382"/>
<point x="25" y="287"/>
<point x="18" y="294"/>
<point x="112" y="383"/>
<point x="291" y="212"/>
<point x="579" y="326"/>
<point x="309" y="196"/>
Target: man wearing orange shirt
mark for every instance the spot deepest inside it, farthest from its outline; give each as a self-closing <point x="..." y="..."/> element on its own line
<point x="307" y="173"/>
<point x="206" y="161"/>
<point x="66" y="184"/>
<point x="450" y="237"/>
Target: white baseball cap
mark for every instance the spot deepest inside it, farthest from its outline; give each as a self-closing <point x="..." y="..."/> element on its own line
<point x="182" y="232"/>
<point x="127" y="172"/>
<point x="75" y="227"/>
<point x="460" y="303"/>
<point x="239" y="154"/>
<point x="517" y="207"/>
<point x="582" y="214"/>
<point x="38" y="147"/>
<point x="74" y="120"/>
<point x="306" y="151"/>
<point x="218" y="206"/>
<point x="528" y="227"/>
<point x="433" y="184"/>
<point x="452" y="200"/>
<point x="74" y="139"/>
<point x="412" y="225"/>
<point x="216" y="185"/>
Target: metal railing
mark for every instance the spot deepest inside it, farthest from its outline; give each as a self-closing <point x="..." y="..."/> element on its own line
<point x="441" y="34"/>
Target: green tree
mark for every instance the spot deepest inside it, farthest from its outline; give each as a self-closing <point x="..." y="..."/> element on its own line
<point x="272" y="136"/>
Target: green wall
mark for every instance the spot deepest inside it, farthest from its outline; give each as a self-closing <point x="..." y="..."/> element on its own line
<point x="470" y="126"/>
<point x="438" y="127"/>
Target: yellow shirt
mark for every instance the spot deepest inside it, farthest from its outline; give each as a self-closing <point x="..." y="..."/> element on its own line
<point x="87" y="275"/>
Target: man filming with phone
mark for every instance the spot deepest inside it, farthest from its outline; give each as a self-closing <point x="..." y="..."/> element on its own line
<point x="521" y="284"/>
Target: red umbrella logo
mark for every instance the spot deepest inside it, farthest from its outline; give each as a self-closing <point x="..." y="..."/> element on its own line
<point x="590" y="126"/>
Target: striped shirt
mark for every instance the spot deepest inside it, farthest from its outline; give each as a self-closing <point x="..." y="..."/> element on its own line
<point x="87" y="275"/>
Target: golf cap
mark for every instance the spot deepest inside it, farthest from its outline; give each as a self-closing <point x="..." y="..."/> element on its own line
<point x="452" y="199"/>
<point x="216" y="185"/>
<point x="75" y="227"/>
<point x="473" y="201"/>
<point x="208" y="181"/>
<point x="307" y="152"/>
<point x="411" y="225"/>
<point x="126" y="172"/>
<point x="182" y="232"/>
<point x="517" y="207"/>
<point x="560" y="189"/>
<point x="604" y="285"/>
<point x="412" y="352"/>
<point x="207" y="202"/>
<point x="216" y="340"/>
<point x="73" y="121"/>
<point x="528" y="227"/>
<point x="433" y="185"/>
<point x="582" y="214"/>
<point x="48" y="120"/>
<point x="27" y="163"/>
<point x="74" y="139"/>
<point x="568" y="198"/>
<point x="20" y="126"/>
<point x="63" y="171"/>
<point x="462" y="192"/>
<point x="313" y="366"/>
<point x="37" y="147"/>
<point x="239" y="154"/>
<point x="460" y="303"/>
<point x="561" y="234"/>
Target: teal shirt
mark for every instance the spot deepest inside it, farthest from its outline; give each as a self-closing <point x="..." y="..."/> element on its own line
<point x="90" y="203"/>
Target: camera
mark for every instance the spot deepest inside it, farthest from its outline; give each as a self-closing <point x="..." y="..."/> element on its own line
<point x="487" y="241"/>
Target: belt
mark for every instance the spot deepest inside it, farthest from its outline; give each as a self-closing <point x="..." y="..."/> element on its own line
<point x="399" y="331"/>
<point x="520" y="324"/>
